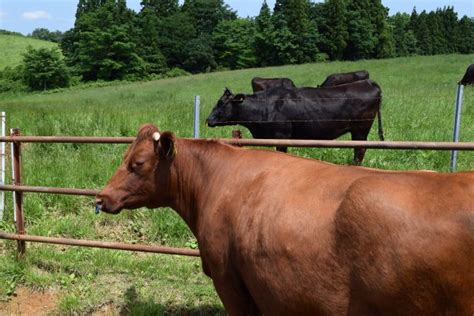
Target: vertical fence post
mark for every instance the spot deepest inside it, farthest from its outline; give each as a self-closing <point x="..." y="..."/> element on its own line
<point x="237" y="134"/>
<point x="20" y="224"/>
<point x="13" y="176"/>
<point x="197" y="103"/>
<point x="2" y="166"/>
<point x="457" y="125"/>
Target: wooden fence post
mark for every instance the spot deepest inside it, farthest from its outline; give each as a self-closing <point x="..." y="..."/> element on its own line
<point x="20" y="222"/>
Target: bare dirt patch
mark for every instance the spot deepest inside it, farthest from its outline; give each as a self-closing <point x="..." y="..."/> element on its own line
<point x="28" y="302"/>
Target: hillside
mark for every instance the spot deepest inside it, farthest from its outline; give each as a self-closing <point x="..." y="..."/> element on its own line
<point x="13" y="46"/>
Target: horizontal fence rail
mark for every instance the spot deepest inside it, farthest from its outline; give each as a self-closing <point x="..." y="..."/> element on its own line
<point x="101" y="244"/>
<point x="259" y="142"/>
<point x="351" y="144"/>
<point x="50" y="190"/>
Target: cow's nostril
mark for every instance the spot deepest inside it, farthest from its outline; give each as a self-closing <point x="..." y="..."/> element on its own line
<point x="98" y="205"/>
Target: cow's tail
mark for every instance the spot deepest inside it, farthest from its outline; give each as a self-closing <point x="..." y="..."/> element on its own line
<point x="379" y="113"/>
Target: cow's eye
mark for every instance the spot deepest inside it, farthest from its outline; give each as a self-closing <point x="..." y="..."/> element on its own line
<point x="136" y="165"/>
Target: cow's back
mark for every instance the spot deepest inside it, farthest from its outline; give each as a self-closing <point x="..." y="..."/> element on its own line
<point x="260" y="84"/>
<point x="345" y="78"/>
<point x="409" y="242"/>
<point x="322" y="113"/>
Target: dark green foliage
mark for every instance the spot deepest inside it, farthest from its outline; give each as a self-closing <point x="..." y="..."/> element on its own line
<point x="206" y="14"/>
<point x="148" y="46"/>
<point x="110" y="42"/>
<point x="103" y="44"/>
<point x="295" y="34"/>
<point x="44" y="69"/>
<point x="6" y="32"/>
<point x="11" y="79"/>
<point x="264" y="53"/>
<point x="175" y="32"/>
<point x="465" y="43"/>
<point x="161" y="8"/>
<point x="331" y="18"/>
<point x="198" y="55"/>
<point x="46" y="35"/>
<point x="234" y="43"/>
<point x="404" y="37"/>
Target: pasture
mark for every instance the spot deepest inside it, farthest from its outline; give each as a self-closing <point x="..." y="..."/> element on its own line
<point x="417" y="104"/>
<point x="12" y="48"/>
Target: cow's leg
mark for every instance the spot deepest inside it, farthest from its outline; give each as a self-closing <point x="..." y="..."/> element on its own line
<point x="237" y="301"/>
<point x="359" y="153"/>
<point x="282" y="149"/>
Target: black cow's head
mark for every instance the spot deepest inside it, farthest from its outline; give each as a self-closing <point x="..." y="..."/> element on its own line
<point x="226" y="110"/>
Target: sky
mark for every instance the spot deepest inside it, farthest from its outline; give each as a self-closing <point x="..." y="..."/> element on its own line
<point x="25" y="15"/>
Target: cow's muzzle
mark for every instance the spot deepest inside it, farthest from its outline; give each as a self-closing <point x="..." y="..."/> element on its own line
<point x="101" y="204"/>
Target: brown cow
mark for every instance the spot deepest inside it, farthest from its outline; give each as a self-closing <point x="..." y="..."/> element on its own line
<point x="283" y="235"/>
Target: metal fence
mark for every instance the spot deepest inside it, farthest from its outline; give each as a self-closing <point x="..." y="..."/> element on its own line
<point x="16" y="139"/>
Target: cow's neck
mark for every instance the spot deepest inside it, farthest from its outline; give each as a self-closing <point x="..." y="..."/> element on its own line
<point x="195" y="166"/>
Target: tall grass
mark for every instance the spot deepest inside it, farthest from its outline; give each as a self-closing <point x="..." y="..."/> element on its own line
<point x="417" y="105"/>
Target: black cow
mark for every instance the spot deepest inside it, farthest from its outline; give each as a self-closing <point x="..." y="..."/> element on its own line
<point x="344" y="78"/>
<point x="260" y="84"/>
<point x="468" y="76"/>
<point x="304" y="113"/>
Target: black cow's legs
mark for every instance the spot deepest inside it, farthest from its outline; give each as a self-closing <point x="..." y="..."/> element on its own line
<point x="282" y="149"/>
<point x="359" y="153"/>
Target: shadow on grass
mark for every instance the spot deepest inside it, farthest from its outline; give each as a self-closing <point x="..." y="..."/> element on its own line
<point x="136" y="307"/>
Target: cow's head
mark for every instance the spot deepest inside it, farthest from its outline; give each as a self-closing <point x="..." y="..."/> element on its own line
<point x="226" y="110"/>
<point x="143" y="178"/>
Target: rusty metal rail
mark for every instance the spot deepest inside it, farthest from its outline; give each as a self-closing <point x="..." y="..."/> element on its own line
<point x="259" y="142"/>
<point x="50" y="190"/>
<point x="101" y="244"/>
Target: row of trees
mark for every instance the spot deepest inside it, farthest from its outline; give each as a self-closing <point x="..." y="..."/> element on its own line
<point x="109" y="41"/>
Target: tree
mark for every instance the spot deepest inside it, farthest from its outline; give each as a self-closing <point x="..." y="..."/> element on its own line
<point x="465" y="44"/>
<point x="161" y="8"/>
<point x="147" y="40"/>
<point x="449" y="29"/>
<point x="44" y="69"/>
<point x="333" y="28"/>
<point x="234" y="43"/>
<point x="45" y="35"/>
<point x="404" y="38"/>
<point x="294" y="15"/>
<point x="264" y="53"/>
<point x="199" y="55"/>
<point x="104" y="43"/>
<point x="284" y="44"/>
<point x="175" y="32"/>
<point x="206" y="14"/>
<point x="423" y="35"/>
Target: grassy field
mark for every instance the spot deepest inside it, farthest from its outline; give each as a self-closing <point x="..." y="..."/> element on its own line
<point x="12" y="48"/>
<point x="418" y="105"/>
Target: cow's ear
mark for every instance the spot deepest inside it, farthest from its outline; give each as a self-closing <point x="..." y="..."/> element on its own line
<point x="239" y="98"/>
<point x="227" y="92"/>
<point x="165" y="146"/>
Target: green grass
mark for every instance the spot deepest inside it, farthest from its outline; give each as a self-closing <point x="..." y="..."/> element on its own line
<point x="12" y="48"/>
<point x="418" y="105"/>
